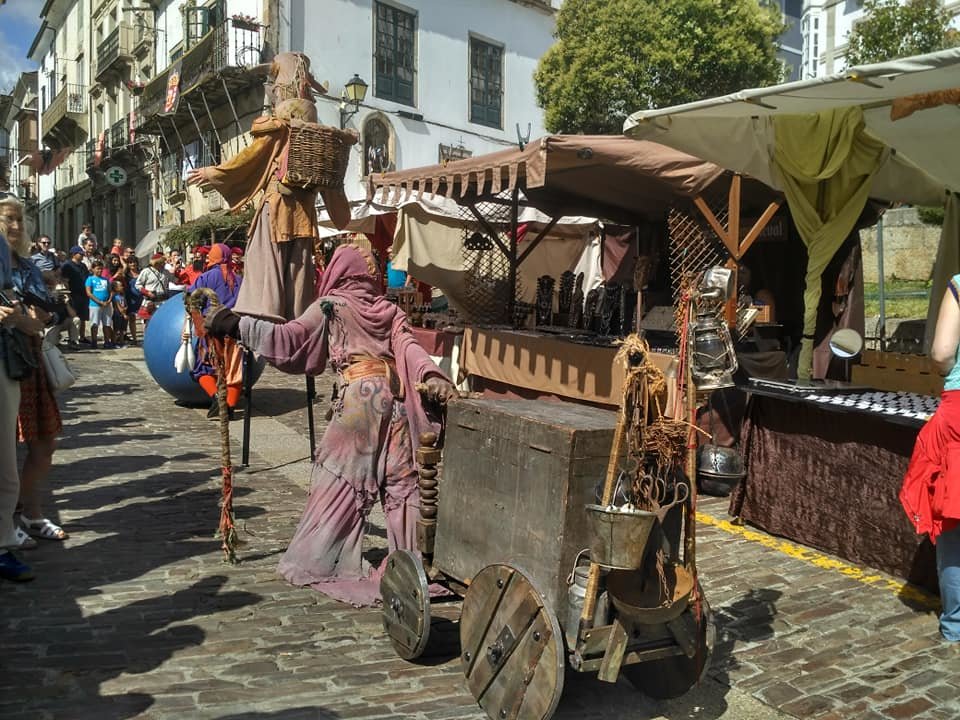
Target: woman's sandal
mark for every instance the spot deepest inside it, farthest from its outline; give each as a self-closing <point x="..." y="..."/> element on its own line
<point x="43" y="528"/>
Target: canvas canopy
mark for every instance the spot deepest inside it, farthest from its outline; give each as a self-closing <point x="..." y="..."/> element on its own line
<point x="909" y="105"/>
<point x="610" y="177"/>
<point x="885" y="131"/>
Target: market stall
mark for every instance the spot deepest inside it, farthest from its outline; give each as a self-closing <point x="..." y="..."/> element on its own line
<point x="879" y="132"/>
<point x="540" y="293"/>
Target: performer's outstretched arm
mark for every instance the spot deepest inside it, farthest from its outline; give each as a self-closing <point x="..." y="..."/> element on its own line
<point x="297" y="347"/>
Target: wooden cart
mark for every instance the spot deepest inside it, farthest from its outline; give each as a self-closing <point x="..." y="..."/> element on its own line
<point x="504" y="529"/>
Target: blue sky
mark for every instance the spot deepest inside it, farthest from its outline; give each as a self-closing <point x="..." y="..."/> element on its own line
<point x="19" y="23"/>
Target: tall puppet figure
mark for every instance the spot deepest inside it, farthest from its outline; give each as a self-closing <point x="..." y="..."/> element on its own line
<point x="367" y="451"/>
<point x="278" y="272"/>
<point x="220" y="278"/>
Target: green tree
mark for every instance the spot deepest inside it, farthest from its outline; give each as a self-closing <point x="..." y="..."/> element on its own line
<point x="890" y="30"/>
<point x="613" y="57"/>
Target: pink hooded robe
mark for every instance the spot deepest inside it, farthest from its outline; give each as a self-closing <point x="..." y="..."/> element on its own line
<point x="367" y="451"/>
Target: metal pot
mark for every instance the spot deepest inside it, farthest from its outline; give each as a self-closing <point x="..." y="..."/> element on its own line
<point x="719" y="469"/>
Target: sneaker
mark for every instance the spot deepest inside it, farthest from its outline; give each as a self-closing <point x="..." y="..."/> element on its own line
<point x="109" y="346"/>
<point x="23" y="540"/>
<point x="14" y="570"/>
<point x="214" y="412"/>
<point x="84" y="341"/>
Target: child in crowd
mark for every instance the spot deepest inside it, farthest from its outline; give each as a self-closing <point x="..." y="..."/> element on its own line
<point x="119" y="312"/>
<point x="100" y="291"/>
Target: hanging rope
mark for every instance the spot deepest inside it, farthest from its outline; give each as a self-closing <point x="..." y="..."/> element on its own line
<point x="183" y="149"/>
<point x="234" y="111"/>
<point x="203" y="140"/>
<point x="206" y="105"/>
<point x="227" y="529"/>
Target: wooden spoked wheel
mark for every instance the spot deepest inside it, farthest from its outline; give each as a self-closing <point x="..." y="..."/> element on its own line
<point x="406" y="604"/>
<point x="673" y="676"/>
<point x="511" y="646"/>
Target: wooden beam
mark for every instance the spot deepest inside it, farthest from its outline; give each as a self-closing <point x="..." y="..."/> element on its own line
<point x="759" y="225"/>
<point x="715" y="224"/>
<point x="733" y="216"/>
<point x="536" y="241"/>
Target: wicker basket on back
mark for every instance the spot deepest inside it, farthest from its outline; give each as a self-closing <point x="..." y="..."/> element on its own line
<point x="317" y="157"/>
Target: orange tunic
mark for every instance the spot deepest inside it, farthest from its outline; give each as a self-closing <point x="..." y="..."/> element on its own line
<point x="293" y="213"/>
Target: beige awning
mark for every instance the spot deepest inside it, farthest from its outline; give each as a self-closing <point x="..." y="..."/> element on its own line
<point x="611" y="177"/>
<point x="907" y="104"/>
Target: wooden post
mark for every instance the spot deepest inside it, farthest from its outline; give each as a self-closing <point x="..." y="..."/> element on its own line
<point x="428" y="457"/>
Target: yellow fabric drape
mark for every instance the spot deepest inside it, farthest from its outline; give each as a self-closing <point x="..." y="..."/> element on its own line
<point x="825" y="162"/>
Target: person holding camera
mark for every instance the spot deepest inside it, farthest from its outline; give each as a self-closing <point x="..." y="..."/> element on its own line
<point x="38" y="420"/>
<point x="153" y="283"/>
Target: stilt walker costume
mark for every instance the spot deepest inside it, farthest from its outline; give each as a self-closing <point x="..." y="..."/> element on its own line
<point x="278" y="265"/>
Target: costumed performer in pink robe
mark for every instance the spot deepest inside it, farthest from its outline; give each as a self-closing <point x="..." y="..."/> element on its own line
<point x="367" y="451"/>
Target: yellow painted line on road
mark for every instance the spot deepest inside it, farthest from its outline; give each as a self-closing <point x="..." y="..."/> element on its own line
<point x="903" y="590"/>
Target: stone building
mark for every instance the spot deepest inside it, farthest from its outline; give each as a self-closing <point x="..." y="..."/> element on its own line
<point x="18" y="118"/>
<point x="824" y="28"/>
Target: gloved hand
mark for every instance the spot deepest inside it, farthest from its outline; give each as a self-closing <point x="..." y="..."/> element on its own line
<point x="222" y="322"/>
<point x="439" y="390"/>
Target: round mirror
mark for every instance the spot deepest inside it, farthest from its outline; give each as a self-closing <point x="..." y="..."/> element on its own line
<point x="846" y="343"/>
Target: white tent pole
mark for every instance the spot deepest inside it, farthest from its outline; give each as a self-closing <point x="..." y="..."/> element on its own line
<point x="880" y="285"/>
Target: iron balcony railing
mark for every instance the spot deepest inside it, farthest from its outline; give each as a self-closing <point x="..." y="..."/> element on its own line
<point x="120" y="133"/>
<point x="70" y="103"/>
<point x="114" y="49"/>
<point x="233" y="44"/>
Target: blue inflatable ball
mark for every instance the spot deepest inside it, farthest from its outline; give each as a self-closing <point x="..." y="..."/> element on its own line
<point x="161" y="341"/>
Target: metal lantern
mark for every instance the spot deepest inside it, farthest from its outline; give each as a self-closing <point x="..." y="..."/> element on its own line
<point x="712" y="358"/>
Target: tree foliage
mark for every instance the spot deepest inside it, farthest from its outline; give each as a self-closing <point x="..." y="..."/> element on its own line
<point x="206" y="228"/>
<point x="614" y="57"/>
<point x="890" y="30"/>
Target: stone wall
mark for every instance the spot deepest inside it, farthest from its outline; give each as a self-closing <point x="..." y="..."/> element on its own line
<point x="909" y="247"/>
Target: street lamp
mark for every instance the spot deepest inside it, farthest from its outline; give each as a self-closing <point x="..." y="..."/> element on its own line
<point x="353" y="94"/>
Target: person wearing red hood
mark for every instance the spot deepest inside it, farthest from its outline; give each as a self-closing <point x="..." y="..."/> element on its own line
<point x="220" y="278"/>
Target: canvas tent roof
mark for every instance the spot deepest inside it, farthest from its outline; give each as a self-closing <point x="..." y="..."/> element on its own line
<point x="736" y="131"/>
<point x="611" y="177"/>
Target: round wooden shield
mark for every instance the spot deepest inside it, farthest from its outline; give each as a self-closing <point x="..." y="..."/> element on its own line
<point x="511" y="646"/>
<point x="406" y="604"/>
<point x="673" y="676"/>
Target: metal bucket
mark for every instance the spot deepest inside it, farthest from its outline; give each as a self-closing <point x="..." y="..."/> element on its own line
<point x="576" y="593"/>
<point x="618" y="538"/>
<point x="641" y="599"/>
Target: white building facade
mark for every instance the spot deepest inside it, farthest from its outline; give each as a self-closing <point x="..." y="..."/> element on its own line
<point x="446" y="78"/>
<point x="825" y="27"/>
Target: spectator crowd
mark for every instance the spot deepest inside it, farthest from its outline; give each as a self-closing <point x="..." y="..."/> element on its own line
<point x="92" y="297"/>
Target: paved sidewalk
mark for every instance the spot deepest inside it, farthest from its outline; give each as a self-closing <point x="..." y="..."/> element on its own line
<point x="136" y="615"/>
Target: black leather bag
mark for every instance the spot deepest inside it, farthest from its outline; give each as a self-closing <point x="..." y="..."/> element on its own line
<point x="18" y="357"/>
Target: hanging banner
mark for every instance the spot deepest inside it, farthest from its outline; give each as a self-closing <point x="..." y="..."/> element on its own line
<point x="173" y="88"/>
<point x="101" y="146"/>
<point x="132" y="128"/>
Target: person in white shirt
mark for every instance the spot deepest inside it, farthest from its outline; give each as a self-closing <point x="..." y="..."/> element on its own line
<point x="86" y="233"/>
<point x="90" y="253"/>
<point x="156" y="285"/>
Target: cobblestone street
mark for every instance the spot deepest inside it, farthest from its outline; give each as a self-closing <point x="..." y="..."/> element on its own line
<point x="136" y="615"/>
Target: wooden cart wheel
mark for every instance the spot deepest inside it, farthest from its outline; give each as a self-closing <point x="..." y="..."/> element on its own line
<point x="406" y="604"/>
<point x="673" y="676"/>
<point x="511" y="646"/>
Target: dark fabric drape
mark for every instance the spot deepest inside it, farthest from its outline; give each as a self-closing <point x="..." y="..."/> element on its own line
<point x="830" y="480"/>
